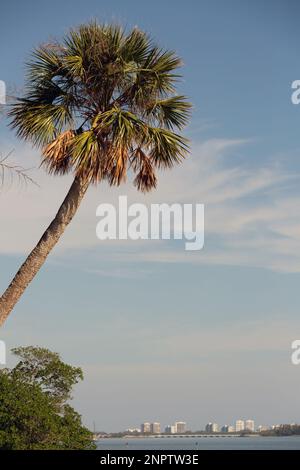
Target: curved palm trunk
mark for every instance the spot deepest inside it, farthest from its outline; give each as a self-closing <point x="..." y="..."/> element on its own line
<point x="39" y="254"/>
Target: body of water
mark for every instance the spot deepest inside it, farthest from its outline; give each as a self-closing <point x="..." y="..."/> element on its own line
<point x="201" y="443"/>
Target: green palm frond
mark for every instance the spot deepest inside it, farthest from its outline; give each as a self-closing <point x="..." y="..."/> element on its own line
<point x="39" y="122"/>
<point x="87" y="155"/>
<point x="172" y="112"/>
<point x="84" y="145"/>
<point x="166" y="147"/>
<point x="100" y="99"/>
<point x="44" y="65"/>
<point x="135" y="48"/>
<point x="74" y="65"/>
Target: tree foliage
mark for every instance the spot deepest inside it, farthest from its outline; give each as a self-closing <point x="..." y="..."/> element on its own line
<point x="102" y="101"/>
<point x="34" y="413"/>
<point x="45" y="368"/>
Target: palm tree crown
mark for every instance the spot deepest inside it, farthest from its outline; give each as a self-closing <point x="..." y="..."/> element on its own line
<point x="103" y="101"/>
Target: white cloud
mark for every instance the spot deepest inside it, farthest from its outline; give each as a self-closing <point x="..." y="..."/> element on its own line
<point x="251" y="219"/>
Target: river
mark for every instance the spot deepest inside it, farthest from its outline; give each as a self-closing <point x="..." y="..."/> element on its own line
<point x="201" y="443"/>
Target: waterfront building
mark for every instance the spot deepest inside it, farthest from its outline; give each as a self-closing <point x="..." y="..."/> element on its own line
<point x="224" y="428"/>
<point x="155" y="428"/>
<point x="180" y="427"/>
<point x="145" y="428"/>
<point x="249" y="425"/>
<point x="170" y="429"/>
<point x="212" y="427"/>
<point x="239" y="425"/>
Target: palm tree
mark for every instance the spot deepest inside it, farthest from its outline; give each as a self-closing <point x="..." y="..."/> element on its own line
<point x="97" y="104"/>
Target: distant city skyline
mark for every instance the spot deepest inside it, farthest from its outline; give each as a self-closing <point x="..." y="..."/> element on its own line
<point x="240" y="425"/>
<point x="180" y="427"/>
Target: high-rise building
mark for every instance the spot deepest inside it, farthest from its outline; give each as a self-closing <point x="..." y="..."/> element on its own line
<point x="224" y="428"/>
<point x="145" y="427"/>
<point x="170" y="429"/>
<point x="215" y="427"/>
<point x="208" y="427"/>
<point x="180" y="427"/>
<point x="212" y="427"/>
<point x="239" y="425"/>
<point x="249" y="425"/>
<point x="155" y="428"/>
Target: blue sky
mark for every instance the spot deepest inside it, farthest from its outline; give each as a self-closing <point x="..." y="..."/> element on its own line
<point x="163" y="334"/>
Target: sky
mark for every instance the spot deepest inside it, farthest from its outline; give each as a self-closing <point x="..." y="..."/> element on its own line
<point x="163" y="334"/>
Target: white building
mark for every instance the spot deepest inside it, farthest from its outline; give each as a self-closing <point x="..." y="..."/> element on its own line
<point x="239" y="425"/>
<point x="231" y="429"/>
<point x="155" y="428"/>
<point x="212" y="427"/>
<point x="180" y="427"/>
<point x="145" y="427"/>
<point x="215" y="427"/>
<point x="170" y="429"/>
<point x="249" y="425"/>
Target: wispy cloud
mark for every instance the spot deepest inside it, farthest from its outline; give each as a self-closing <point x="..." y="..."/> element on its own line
<point x="251" y="216"/>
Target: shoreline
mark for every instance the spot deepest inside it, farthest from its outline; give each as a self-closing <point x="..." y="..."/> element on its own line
<point x="193" y="436"/>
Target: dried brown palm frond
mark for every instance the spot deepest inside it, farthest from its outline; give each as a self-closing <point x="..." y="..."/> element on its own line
<point x="145" y="179"/>
<point x="57" y="154"/>
<point x="93" y="168"/>
<point x="115" y="165"/>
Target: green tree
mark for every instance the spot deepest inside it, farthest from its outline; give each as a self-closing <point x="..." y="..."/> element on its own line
<point x="45" y="368"/>
<point x="98" y="103"/>
<point x="34" y="413"/>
